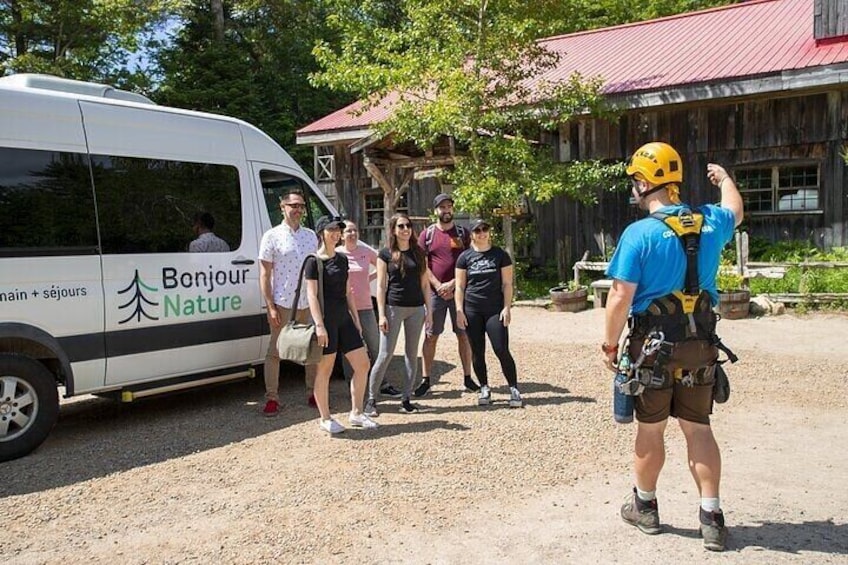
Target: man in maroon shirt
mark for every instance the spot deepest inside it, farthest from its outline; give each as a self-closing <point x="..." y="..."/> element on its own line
<point x="442" y="242"/>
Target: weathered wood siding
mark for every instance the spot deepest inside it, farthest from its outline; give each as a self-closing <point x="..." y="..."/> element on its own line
<point x="772" y="131"/>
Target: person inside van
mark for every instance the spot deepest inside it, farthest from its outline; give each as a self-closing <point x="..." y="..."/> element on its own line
<point x="337" y="326"/>
<point x="207" y="241"/>
<point x="281" y="253"/>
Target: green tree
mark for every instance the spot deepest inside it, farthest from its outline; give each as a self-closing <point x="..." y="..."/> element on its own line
<point x="470" y="70"/>
<point x="249" y="59"/>
<point x="79" y="39"/>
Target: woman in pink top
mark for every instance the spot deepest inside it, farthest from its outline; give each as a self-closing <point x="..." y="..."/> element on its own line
<point x="360" y="257"/>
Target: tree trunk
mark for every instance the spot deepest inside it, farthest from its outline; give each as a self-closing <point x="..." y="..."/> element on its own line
<point x="218" y="15"/>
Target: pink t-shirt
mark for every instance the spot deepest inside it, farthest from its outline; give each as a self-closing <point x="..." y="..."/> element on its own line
<point x="359" y="273"/>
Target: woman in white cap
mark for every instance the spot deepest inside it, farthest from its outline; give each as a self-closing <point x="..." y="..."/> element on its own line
<point x="337" y="326"/>
<point x="483" y="300"/>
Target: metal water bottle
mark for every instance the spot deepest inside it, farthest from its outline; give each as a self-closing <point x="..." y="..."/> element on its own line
<point x="622" y="404"/>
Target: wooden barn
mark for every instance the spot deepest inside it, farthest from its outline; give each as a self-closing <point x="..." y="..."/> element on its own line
<point x="760" y="87"/>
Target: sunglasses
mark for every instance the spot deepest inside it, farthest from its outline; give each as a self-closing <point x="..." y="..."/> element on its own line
<point x="481" y="229"/>
<point x="403" y="226"/>
<point x="296" y="206"/>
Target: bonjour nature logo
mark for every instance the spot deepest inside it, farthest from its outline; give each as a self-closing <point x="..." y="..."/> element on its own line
<point x="137" y="299"/>
<point x="183" y="294"/>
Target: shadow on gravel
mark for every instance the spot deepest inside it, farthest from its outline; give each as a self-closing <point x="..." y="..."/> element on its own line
<point x="412" y="427"/>
<point x="821" y="536"/>
<point x="95" y="437"/>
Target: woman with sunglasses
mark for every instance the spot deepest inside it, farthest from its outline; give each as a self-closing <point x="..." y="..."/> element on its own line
<point x="483" y="297"/>
<point x="337" y="326"/>
<point x="402" y="300"/>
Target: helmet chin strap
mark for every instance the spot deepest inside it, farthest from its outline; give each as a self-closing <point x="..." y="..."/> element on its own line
<point x="649" y="192"/>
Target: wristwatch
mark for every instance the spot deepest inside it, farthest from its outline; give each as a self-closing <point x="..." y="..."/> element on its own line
<point x="606" y="348"/>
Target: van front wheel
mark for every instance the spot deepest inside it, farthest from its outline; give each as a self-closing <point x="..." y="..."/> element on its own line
<point x="29" y="405"/>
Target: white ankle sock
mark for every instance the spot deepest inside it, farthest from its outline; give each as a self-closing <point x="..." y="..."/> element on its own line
<point x="646" y="495"/>
<point x="711" y="504"/>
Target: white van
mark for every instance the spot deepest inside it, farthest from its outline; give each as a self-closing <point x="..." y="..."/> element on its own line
<point x="99" y="189"/>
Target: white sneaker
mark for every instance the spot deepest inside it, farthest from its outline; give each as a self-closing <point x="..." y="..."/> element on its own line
<point x="515" y="398"/>
<point x="361" y="421"/>
<point x="484" y="398"/>
<point x="331" y="426"/>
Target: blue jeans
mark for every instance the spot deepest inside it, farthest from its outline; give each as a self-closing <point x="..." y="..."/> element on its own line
<point x="412" y="320"/>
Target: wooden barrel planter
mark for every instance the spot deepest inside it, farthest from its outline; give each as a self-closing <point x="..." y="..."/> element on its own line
<point x="564" y="300"/>
<point x="734" y="305"/>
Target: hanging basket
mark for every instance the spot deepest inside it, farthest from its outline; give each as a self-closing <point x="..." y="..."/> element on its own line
<point x="734" y="305"/>
<point x="564" y="300"/>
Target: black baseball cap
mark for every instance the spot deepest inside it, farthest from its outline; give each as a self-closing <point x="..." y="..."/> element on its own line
<point x="437" y="201"/>
<point x="325" y="222"/>
<point x="478" y="223"/>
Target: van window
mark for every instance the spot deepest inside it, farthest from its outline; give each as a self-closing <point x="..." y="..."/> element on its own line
<point x="46" y="203"/>
<point x="276" y="184"/>
<point x="149" y="205"/>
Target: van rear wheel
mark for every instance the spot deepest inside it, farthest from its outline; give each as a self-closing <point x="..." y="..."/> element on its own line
<point x="29" y="405"/>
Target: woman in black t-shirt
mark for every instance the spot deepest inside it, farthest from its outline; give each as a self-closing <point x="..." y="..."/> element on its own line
<point x="403" y="290"/>
<point x="337" y="326"/>
<point x="483" y="297"/>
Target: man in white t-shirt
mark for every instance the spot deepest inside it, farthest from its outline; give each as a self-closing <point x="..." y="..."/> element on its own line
<point x="207" y="241"/>
<point x="281" y="254"/>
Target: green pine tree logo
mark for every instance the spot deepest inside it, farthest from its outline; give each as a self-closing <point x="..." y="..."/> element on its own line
<point x="138" y="299"/>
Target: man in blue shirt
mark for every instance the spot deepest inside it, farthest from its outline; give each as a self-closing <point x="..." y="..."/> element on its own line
<point x="649" y="263"/>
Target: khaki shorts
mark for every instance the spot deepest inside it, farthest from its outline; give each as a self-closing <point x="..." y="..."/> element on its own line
<point x="690" y="403"/>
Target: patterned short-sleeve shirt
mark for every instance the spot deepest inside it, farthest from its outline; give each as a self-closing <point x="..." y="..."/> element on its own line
<point x="286" y="249"/>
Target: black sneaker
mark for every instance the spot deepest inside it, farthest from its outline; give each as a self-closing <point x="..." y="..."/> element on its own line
<point x="390" y="391"/>
<point x="713" y="530"/>
<point x="422" y="389"/>
<point x="408" y="408"/>
<point x="645" y="515"/>
<point x="470" y="385"/>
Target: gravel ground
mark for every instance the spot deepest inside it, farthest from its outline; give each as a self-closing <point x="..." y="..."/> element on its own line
<point x="203" y="477"/>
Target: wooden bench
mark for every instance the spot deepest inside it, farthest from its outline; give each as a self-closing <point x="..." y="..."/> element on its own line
<point x="600" y="289"/>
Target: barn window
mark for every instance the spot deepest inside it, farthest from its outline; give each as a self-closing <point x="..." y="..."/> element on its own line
<point x="780" y="189"/>
<point x="325" y="166"/>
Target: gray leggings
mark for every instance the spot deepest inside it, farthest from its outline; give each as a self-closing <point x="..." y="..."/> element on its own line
<point x="412" y="320"/>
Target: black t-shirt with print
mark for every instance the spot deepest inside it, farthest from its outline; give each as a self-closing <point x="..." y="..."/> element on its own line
<point x="335" y="279"/>
<point x="402" y="289"/>
<point x="484" y="287"/>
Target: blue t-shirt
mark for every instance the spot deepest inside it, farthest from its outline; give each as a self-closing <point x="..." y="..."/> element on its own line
<point x="650" y="255"/>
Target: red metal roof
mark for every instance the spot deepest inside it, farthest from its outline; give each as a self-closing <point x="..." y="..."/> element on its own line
<point x="750" y="39"/>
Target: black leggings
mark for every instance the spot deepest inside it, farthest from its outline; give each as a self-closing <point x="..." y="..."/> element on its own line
<point x="480" y="325"/>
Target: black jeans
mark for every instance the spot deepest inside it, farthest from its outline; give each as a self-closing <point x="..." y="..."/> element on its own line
<point x="481" y="324"/>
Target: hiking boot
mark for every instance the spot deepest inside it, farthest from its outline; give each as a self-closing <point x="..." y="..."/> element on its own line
<point x="713" y="530"/>
<point x="470" y="385"/>
<point x="371" y="409"/>
<point x="422" y="389"/>
<point x="272" y="408"/>
<point x="331" y="426"/>
<point x="484" y="398"/>
<point x="408" y="408"/>
<point x="390" y="391"/>
<point x="643" y="514"/>
<point x="362" y="421"/>
<point x="515" y="398"/>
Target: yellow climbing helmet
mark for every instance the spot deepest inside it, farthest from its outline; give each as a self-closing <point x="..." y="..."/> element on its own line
<point x="657" y="162"/>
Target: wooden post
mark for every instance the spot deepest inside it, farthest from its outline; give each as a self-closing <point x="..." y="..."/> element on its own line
<point x="742" y="257"/>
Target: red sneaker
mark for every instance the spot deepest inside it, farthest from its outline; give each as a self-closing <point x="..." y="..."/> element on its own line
<point x="272" y="408"/>
<point x="311" y="401"/>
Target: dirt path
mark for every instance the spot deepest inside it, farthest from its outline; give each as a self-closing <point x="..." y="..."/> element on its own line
<point x="201" y="477"/>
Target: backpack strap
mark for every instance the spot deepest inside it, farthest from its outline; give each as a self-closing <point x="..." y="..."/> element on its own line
<point x="428" y="237"/>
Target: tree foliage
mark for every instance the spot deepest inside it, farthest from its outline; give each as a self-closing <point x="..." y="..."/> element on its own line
<point x="255" y="67"/>
<point x="471" y="70"/>
<point x="80" y="39"/>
